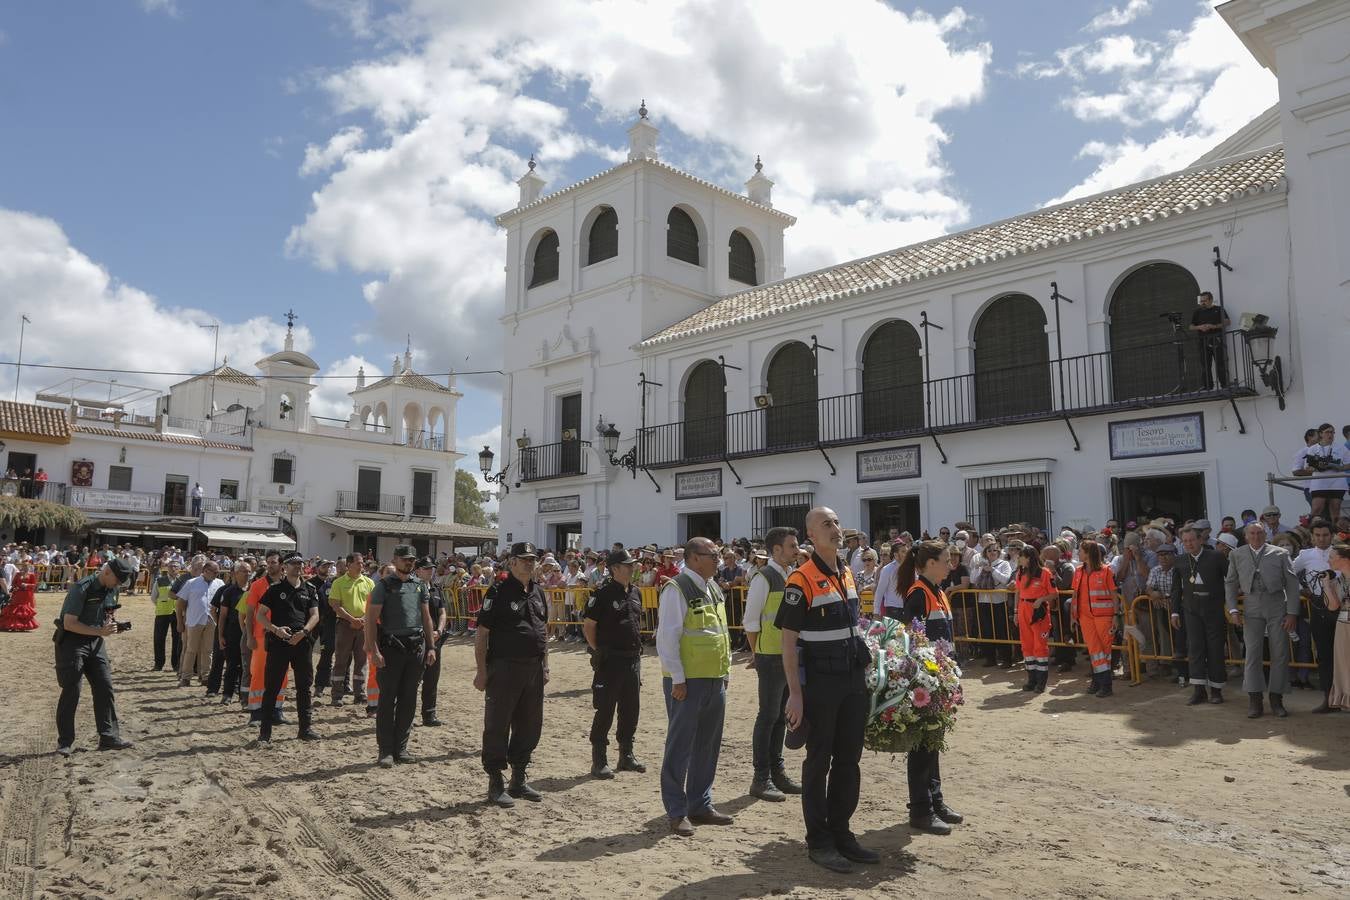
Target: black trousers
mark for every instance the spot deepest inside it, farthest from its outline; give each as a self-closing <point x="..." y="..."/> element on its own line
<point x="81" y="656"/>
<point x="164" y="626"/>
<point x="1206" y="630"/>
<point x="513" y="712"/>
<point x="1214" y="356"/>
<point x="835" y="707"/>
<point x="616" y="686"/>
<point x="214" y="676"/>
<point x="1323" y="627"/>
<point x="766" y="740"/>
<point x="924" y="768"/>
<point x="398" y="679"/>
<point x="323" y="673"/>
<point x="1062" y="630"/>
<point x="233" y="664"/>
<point x="431" y="682"/>
<point x="993" y="623"/>
<point x="280" y="656"/>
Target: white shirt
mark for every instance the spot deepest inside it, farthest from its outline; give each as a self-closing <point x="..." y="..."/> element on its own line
<point x="1334" y="483"/>
<point x="1308" y="561"/>
<point x="756" y="597"/>
<point x="670" y="627"/>
<point x="197" y="492"/>
<point x="856" y="563"/>
<point x="1002" y="570"/>
<point x="885" y="594"/>
<point x="197" y="593"/>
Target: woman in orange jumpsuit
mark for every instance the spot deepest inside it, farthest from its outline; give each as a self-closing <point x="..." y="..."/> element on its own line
<point x="1094" y="611"/>
<point x="1035" y="591"/>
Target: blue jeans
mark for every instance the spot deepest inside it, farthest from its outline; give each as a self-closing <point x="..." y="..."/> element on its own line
<point x="693" y="741"/>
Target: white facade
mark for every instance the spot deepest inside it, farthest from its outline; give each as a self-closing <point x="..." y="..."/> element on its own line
<point x="597" y="327"/>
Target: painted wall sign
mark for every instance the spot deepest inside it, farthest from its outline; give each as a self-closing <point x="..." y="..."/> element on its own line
<point x="698" y="483"/>
<point x="889" y="463"/>
<point x="1160" y="436"/>
<point x="257" y="521"/>
<point x="559" y="504"/>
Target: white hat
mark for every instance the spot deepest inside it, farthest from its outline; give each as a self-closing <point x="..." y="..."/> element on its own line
<point x="1226" y="538"/>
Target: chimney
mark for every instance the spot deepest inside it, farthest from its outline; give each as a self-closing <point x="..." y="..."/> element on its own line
<point x="642" y="136"/>
<point x="360" y="377"/>
<point x="396" y="362"/>
<point x="531" y="185"/>
<point x="759" y="188"/>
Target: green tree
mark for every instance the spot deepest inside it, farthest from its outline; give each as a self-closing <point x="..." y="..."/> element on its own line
<point x="468" y="502"/>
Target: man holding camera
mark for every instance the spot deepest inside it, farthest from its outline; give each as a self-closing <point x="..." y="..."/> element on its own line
<point x="87" y="617"/>
<point x="1323" y="456"/>
<point x="1210" y="322"/>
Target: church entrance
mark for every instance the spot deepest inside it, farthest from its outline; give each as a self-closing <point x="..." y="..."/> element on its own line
<point x="566" y="536"/>
<point x="1178" y="497"/>
<point x="705" y="524"/>
<point x="885" y="513"/>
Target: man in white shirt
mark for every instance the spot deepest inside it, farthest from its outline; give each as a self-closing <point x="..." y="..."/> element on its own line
<point x="197" y="624"/>
<point x="857" y="546"/>
<point x="886" y="598"/>
<point x="765" y="594"/>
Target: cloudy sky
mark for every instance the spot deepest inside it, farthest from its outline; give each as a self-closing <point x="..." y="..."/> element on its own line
<point x="171" y="163"/>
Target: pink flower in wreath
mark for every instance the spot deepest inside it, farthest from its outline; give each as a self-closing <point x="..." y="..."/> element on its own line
<point x="921" y="697"/>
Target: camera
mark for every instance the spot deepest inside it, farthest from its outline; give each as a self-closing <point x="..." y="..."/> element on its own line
<point x="1320" y="463"/>
<point x="1173" y="317"/>
<point x="123" y="626"/>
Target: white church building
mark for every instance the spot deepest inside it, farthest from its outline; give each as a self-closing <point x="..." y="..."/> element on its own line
<point x="1025" y="370"/>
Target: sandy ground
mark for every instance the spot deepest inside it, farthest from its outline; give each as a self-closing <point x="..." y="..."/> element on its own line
<point x="1065" y="796"/>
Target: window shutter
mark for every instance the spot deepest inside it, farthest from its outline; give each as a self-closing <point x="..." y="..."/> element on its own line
<point x="1137" y="310"/>
<point x="1012" y="359"/>
<point x="603" y="241"/>
<point x="792" y="419"/>
<point x="892" y="381"/>
<point x="545" y="267"/>
<point x="705" y="413"/>
<point x="741" y="260"/>
<point x="681" y="237"/>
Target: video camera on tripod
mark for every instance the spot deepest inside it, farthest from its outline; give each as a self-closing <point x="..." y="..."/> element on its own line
<point x="1174" y="318"/>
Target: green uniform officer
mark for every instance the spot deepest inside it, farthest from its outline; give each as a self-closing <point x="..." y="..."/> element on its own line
<point x="87" y="618"/>
<point x="398" y="623"/>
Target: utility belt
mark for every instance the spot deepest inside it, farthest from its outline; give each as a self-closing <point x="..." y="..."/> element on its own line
<point x="837" y="658"/>
<point x="406" y="643"/>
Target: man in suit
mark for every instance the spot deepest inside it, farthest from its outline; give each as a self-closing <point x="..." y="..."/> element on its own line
<point x="1264" y="574"/>
<point x="1198" y="602"/>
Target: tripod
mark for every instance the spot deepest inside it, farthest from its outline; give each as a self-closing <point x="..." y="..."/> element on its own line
<point x="1178" y="341"/>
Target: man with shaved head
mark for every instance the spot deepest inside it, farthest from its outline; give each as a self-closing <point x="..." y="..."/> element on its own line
<point x="695" y="652"/>
<point x="818" y="619"/>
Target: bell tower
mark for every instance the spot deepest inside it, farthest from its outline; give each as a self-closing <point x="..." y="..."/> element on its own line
<point x="287" y="384"/>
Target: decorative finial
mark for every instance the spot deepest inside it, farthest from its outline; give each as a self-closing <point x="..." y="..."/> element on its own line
<point x="290" y="319"/>
<point x="408" y="348"/>
<point x="531" y="162"/>
<point x="225" y="362"/>
<point x="759" y="166"/>
<point x="642" y="110"/>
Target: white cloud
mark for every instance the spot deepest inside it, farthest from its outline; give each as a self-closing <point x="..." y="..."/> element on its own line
<point x="1117" y="16"/>
<point x="330" y="397"/>
<point x="820" y="90"/>
<point x="1198" y="86"/>
<point x="80" y="312"/>
<point x="168" y="7"/>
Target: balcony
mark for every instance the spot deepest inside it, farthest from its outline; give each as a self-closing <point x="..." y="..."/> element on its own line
<point x="224" y="505"/>
<point x="560" y="460"/>
<point x="360" y="501"/>
<point x="424" y="440"/>
<point x="32" y="489"/>
<point x="94" y="500"/>
<point x="1094" y="383"/>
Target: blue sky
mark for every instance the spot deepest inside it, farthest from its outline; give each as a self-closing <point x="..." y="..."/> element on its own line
<point x="170" y="162"/>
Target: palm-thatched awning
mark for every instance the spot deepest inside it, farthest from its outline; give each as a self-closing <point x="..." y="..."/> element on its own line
<point x="15" y="512"/>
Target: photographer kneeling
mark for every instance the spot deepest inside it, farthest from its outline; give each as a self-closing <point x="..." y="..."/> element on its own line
<point x="87" y="617"/>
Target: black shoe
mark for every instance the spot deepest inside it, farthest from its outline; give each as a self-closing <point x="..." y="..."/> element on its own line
<point x="280" y="719"/>
<point x="764" y="789"/>
<point x="497" y="795"/>
<point x="1277" y="706"/>
<point x="1215" y="695"/>
<point x="1198" y="696"/>
<point x="431" y="721"/>
<point x="372" y="711"/>
<point x="600" y="764"/>
<point x="931" y="824"/>
<point x="520" y="788"/>
<point x="1042" y="678"/>
<point x="385" y="762"/>
<point x="309" y="734"/>
<point x="830" y="858"/>
<point x="628" y="762"/>
<point x="113" y="744"/>
<point x="404" y="759"/>
<point x="947" y="814"/>
<point x="1096" y="684"/>
<point x="852" y="851"/>
<point x="1031" y="683"/>
<point x="1255" y="708"/>
<point x="65" y="750"/>
<point x="784" y="783"/>
<point x="225" y="700"/>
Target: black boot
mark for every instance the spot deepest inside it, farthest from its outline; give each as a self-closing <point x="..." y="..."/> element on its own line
<point x="1042" y="679"/>
<point x="430" y="720"/>
<point x="496" y="791"/>
<point x="1031" y="681"/>
<point x="627" y="761"/>
<point x="1105" y="689"/>
<point x="1215" y="695"/>
<point x="520" y="788"/>
<point x="1096" y="684"/>
<point x="600" y="763"/>
<point x="783" y="782"/>
<point x="1198" y="696"/>
<point x="1255" y="708"/>
<point x="764" y="789"/>
<point x="1277" y="706"/>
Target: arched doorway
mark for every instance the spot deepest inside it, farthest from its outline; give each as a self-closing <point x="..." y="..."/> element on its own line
<point x="892" y="380"/>
<point x="1144" y="346"/>
<point x="792" y="419"/>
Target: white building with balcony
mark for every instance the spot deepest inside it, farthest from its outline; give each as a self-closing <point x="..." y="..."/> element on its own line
<point x="1023" y="371"/>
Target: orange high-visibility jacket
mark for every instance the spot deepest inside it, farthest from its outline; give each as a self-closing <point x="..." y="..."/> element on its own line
<point x="1094" y="593"/>
<point x="934" y="601"/>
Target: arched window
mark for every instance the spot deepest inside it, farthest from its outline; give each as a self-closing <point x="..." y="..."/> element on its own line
<point x="892" y="380"/>
<point x="1141" y="363"/>
<point x="705" y="412"/>
<point x="544" y="266"/>
<point x="1012" y="359"/>
<point x="603" y="240"/>
<point x="791" y="420"/>
<point x="681" y="236"/>
<point x="741" y="260"/>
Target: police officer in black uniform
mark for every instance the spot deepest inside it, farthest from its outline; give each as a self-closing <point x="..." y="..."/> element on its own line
<point x="398" y="623"/>
<point x="87" y="617"/>
<point x="289" y="612"/>
<point x="321" y="579"/>
<point x="431" y="678"/>
<point x="613" y="629"/>
<point x="511" y="650"/>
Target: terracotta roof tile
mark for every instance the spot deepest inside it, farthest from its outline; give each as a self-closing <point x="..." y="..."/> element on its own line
<point x="1223" y="182"/>
<point x="184" y="439"/>
<point x="407" y="378"/>
<point x="33" y="420"/>
<point x="230" y="374"/>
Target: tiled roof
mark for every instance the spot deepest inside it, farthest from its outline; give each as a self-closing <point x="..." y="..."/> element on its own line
<point x="667" y="167"/>
<point x="1077" y="220"/>
<point x="185" y="439"/>
<point x="31" y="420"/>
<point x="407" y="378"/>
<point x="401" y="528"/>
<point x="230" y="374"/>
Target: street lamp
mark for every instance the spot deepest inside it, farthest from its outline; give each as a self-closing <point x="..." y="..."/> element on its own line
<point x="611" y="444"/>
<point x="1259" y="339"/>
<point x="485" y="457"/>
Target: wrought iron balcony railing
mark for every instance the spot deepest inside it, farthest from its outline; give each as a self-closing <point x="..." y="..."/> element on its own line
<point x="361" y="501"/>
<point x="560" y="460"/>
